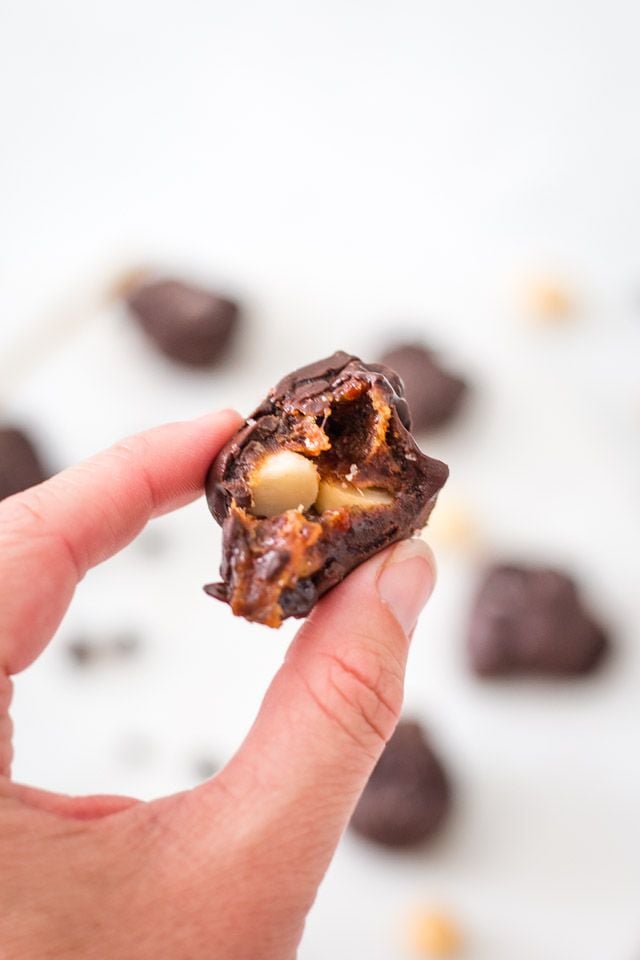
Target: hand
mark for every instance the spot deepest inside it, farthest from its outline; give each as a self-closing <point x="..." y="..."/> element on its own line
<point x="229" y="869"/>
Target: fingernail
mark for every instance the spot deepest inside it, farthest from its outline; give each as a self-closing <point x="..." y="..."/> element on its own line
<point x="406" y="581"/>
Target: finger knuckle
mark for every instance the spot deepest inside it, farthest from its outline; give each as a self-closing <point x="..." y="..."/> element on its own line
<point x="21" y="513"/>
<point x="132" y="448"/>
<point x="23" y="519"/>
<point x="361" y="692"/>
<point x="134" y="452"/>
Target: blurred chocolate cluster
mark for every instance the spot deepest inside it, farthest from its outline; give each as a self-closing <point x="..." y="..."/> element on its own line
<point x="20" y="463"/>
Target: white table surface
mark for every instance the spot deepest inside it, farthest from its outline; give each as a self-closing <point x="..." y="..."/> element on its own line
<point x="352" y="170"/>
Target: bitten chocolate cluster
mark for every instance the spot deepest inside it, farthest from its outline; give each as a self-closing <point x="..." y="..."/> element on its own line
<point x="324" y="474"/>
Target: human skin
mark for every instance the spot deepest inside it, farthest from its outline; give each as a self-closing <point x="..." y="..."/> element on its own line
<point x="229" y="869"/>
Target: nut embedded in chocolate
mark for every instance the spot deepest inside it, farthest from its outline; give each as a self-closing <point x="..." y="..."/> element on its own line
<point x="434" y="395"/>
<point x="20" y="465"/>
<point x="408" y="794"/>
<point x="531" y="620"/>
<point x="324" y="474"/>
<point x="188" y="324"/>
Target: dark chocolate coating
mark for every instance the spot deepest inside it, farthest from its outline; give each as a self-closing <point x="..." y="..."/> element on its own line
<point x="408" y="794"/>
<point x="531" y="620"/>
<point x="188" y="324"/>
<point x="20" y="466"/>
<point x="434" y="395"/>
<point x="367" y="423"/>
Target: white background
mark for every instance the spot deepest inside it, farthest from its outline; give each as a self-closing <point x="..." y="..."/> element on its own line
<point x="350" y="170"/>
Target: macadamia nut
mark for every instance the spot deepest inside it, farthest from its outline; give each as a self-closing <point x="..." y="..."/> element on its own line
<point x="434" y="934"/>
<point x="283" y="481"/>
<point x="549" y="301"/>
<point x="334" y="496"/>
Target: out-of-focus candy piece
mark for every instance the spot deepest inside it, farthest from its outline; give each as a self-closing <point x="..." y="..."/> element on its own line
<point x="90" y="650"/>
<point x="548" y="301"/>
<point x="124" y="645"/>
<point x="123" y="283"/>
<point x="434" y="395"/>
<point x="190" y="325"/>
<point x="204" y="767"/>
<point x="20" y="465"/>
<point x="433" y="933"/>
<point x="83" y="652"/>
<point x="532" y="620"/>
<point x="452" y="526"/>
<point x="408" y="794"/>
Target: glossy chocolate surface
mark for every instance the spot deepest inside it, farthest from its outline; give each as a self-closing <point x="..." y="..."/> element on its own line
<point x="352" y="420"/>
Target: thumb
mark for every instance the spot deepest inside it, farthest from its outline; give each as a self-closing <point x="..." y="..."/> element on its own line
<point x="329" y="712"/>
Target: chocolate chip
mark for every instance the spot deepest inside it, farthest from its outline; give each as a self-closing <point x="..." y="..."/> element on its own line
<point x="433" y="394"/>
<point x="188" y="324"/>
<point x="20" y="465"/>
<point x="357" y="482"/>
<point x="408" y="794"/>
<point x="532" y="620"/>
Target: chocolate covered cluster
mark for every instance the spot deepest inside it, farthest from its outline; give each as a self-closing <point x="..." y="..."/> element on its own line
<point x="408" y="794"/>
<point x="532" y="620"/>
<point x="324" y="474"/>
<point x="20" y="464"/>
<point x="188" y="324"/>
<point x="433" y="393"/>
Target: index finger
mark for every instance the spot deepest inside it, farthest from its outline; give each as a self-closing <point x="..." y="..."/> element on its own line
<point x="53" y="533"/>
